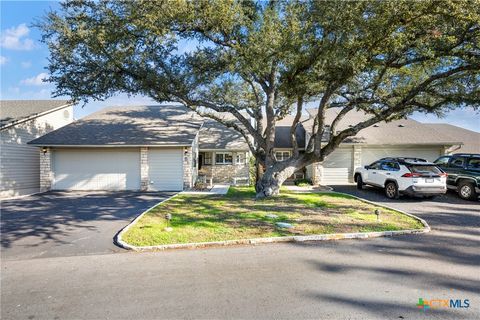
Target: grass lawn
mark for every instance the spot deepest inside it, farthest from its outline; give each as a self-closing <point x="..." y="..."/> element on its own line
<point x="206" y="218"/>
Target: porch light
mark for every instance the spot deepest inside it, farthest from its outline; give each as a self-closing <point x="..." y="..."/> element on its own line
<point x="44" y="150"/>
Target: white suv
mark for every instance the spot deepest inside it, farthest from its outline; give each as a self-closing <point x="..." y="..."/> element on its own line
<point x="410" y="176"/>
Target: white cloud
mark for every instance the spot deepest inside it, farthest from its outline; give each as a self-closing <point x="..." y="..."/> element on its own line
<point x="3" y="60"/>
<point x="16" y="38"/>
<point x="36" y="81"/>
<point x="26" y="64"/>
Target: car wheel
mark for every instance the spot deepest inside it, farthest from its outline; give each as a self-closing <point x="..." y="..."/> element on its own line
<point x="391" y="190"/>
<point x="466" y="190"/>
<point x="359" y="182"/>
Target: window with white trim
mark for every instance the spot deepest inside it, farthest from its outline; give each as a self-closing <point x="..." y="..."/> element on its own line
<point x="207" y="158"/>
<point x="240" y="158"/>
<point x="282" y="155"/>
<point x="223" y="158"/>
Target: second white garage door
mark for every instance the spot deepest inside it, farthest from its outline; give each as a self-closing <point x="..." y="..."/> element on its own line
<point x="96" y="169"/>
<point x="337" y="167"/>
<point x="165" y="169"/>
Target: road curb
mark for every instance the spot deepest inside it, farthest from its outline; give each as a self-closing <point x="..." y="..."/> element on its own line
<point x="319" y="237"/>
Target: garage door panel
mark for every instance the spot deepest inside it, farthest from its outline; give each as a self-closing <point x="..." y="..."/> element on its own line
<point x="165" y="169"/>
<point x="337" y="167"/>
<point x="96" y="169"/>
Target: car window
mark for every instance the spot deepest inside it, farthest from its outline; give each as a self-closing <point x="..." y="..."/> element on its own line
<point x="473" y="163"/>
<point x="428" y="169"/>
<point x="443" y="161"/>
<point x="390" y="166"/>
<point x="375" y="165"/>
<point x="457" y="163"/>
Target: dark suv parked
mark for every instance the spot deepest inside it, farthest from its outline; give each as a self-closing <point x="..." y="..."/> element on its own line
<point x="463" y="171"/>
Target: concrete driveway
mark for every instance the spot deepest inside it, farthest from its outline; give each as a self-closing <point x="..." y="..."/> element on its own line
<point x="56" y="224"/>
<point x="380" y="278"/>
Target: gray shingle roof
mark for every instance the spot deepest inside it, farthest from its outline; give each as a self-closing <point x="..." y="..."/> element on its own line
<point x="129" y="126"/>
<point x="282" y="133"/>
<point x="470" y="139"/>
<point x="397" y="132"/>
<point x="215" y="135"/>
<point x="15" y="110"/>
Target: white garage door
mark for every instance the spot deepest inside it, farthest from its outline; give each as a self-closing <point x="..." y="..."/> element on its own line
<point x="96" y="169"/>
<point x="165" y="168"/>
<point x="370" y="155"/>
<point x="337" y="167"/>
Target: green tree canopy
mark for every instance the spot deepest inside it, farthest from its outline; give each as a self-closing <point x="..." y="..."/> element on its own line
<point x="264" y="60"/>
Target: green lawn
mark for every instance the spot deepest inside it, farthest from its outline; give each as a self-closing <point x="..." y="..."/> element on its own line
<point x="206" y="218"/>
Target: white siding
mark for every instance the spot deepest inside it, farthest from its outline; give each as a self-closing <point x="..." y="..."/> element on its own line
<point x="370" y="154"/>
<point x="96" y="169"/>
<point x="19" y="163"/>
<point x="165" y="168"/>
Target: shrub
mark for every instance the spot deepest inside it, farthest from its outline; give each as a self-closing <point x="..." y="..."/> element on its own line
<point x="303" y="182"/>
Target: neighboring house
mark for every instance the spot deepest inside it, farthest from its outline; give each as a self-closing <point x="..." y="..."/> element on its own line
<point x="405" y="137"/>
<point x="20" y="122"/>
<point x="123" y="148"/>
<point x="167" y="147"/>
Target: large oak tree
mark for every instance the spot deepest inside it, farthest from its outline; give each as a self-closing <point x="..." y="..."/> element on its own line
<point x="264" y="60"/>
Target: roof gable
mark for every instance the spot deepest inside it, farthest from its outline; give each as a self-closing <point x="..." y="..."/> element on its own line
<point x="14" y="111"/>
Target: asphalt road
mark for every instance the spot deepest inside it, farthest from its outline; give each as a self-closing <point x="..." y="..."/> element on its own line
<point x="60" y="224"/>
<point x="380" y="278"/>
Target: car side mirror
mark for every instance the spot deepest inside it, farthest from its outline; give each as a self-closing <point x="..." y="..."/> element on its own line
<point x="367" y="167"/>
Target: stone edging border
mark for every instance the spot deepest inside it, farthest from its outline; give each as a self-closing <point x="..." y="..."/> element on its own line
<point x="319" y="237"/>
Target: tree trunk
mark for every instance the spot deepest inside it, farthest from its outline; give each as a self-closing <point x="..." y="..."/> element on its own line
<point x="272" y="179"/>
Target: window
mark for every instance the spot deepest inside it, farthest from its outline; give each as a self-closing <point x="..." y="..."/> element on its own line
<point x="223" y="158"/>
<point x="473" y="163"/>
<point x="390" y="166"/>
<point x="442" y="162"/>
<point x="457" y="163"/>
<point x="424" y="169"/>
<point x="282" y="155"/>
<point x="375" y="165"/>
<point x="207" y="158"/>
<point x="240" y="158"/>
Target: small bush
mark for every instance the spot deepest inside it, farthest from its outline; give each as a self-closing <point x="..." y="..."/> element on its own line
<point x="200" y="186"/>
<point x="303" y="182"/>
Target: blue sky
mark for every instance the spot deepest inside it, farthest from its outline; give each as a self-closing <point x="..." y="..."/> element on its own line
<point x="23" y="60"/>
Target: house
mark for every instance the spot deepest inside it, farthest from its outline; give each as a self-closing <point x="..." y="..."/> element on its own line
<point x="405" y="137"/>
<point x="123" y="148"/>
<point x="224" y="153"/>
<point x="168" y="147"/>
<point x="20" y="122"/>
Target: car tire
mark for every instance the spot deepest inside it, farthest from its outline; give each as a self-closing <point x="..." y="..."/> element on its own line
<point x="466" y="191"/>
<point x="391" y="190"/>
<point x="359" y="182"/>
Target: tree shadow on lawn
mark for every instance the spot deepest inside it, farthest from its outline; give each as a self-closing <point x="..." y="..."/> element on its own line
<point x="245" y="212"/>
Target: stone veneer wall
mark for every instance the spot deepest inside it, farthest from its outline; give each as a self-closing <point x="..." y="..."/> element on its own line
<point x="225" y="173"/>
<point x="46" y="175"/>
<point x="187" y="168"/>
<point x="144" y="179"/>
